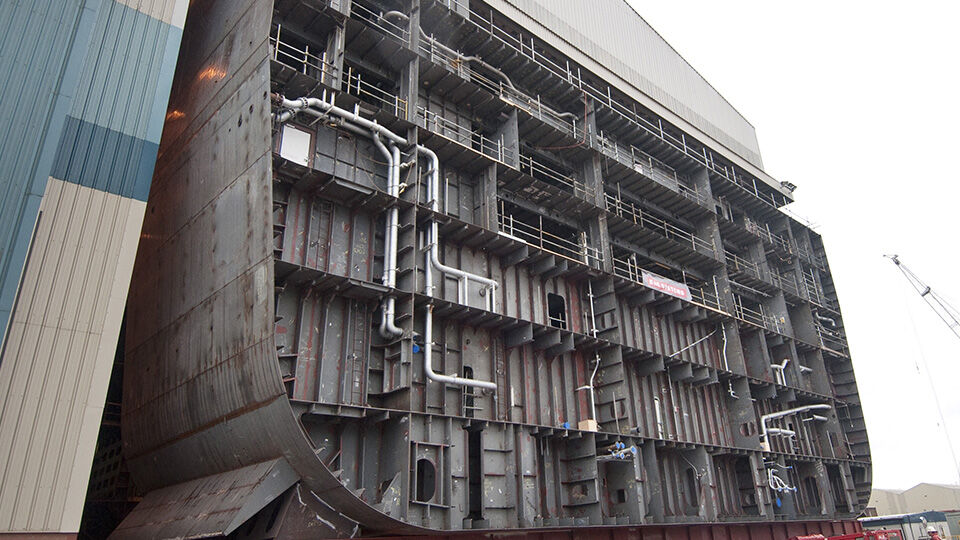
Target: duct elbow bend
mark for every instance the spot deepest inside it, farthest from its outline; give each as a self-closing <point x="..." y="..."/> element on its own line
<point x="388" y="328"/>
<point x="397" y="14"/>
<point x="428" y="360"/>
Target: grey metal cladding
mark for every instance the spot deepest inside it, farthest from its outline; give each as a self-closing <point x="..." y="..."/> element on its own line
<point x="57" y="34"/>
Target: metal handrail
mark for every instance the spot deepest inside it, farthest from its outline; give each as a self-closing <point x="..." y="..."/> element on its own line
<point x="296" y="58"/>
<point x="353" y="83"/>
<point x="831" y="339"/>
<point x="628" y="210"/>
<point x="628" y="268"/>
<point x="816" y="295"/>
<point x="377" y="20"/>
<point x="535" y="236"/>
<point x="810" y="256"/>
<point x="535" y="108"/>
<point x="787" y="283"/>
<point x="652" y="168"/>
<point x="702" y="155"/>
<point x="755" y="317"/>
<point x="764" y="233"/>
<point x="739" y="264"/>
<point x="494" y="149"/>
<point x="435" y="50"/>
<point x="532" y="167"/>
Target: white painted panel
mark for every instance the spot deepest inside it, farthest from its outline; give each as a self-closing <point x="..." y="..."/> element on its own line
<point x="295" y="145"/>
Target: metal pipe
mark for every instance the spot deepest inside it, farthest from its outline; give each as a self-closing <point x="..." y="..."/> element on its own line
<point x="692" y="344"/>
<point x="294" y="105"/>
<point x="397" y="14"/>
<point x="501" y="74"/>
<point x="593" y="316"/>
<point x="388" y="232"/>
<point x="433" y="239"/>
<point x="593" y="399"/>
<point x="428" y="360"/>
<point x="833" y="322"/>
<point x="388" y="327"/>
<point x="780" y="369"/>
<point x="726" y="365"/>
<point x="404" y="17"/>
<point x="433" y="188"/>
<point x="764" y="443"/>
<point x="394" y="215"/>
<point x="430" y="262"/>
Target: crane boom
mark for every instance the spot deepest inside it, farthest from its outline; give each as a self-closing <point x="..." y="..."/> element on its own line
<point x="947" y="313"/>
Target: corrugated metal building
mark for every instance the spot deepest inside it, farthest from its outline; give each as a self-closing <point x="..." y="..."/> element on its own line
<point x="82" y="103"/>
<point x="920" y="498"/>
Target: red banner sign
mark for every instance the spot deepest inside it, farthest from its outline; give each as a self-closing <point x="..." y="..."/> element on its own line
<point x="666" y="286"/>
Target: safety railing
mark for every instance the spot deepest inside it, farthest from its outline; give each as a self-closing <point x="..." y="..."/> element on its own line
<point x="534" y="106"/>
<point x="810" y="257"/>
<point x="452" y="131"/>
<point x="705" y="296"/>
<point x="376" y="19"/>
<point x="439" y="53"/>
<point x="537" y="169"/>
<point x="834" y="340"/>
<point x="738" y="264"/>
<point x="302" y="59"/>
<point x="534" y="235"/>
<point x="353" y="83"/>
<point x="629" y="210"/>
<point x="764" y="233"/>
<point x="649" y="166"/>
<point x="755" y="316"/>
<point x="701" y="294"/>
<point x="527" y="47"/>
<point x="786" y="282"/>
<point x="316" y="66"/>
<point x="815" y="294"/>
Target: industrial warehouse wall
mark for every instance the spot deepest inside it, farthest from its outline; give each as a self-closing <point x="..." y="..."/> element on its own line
<point x="82" y="106"/>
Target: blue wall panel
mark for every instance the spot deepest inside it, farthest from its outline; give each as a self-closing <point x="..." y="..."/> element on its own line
<point x="82" y="98"/>
<point x="42" y="45"/>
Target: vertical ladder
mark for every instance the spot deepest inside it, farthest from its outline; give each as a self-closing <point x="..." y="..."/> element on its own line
<point x="356" y="357"/>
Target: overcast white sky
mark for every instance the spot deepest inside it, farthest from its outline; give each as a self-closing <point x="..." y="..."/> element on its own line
<point x="856" y="103"/>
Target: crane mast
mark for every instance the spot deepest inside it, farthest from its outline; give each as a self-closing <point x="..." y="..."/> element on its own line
<point x="947" y="313"/>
